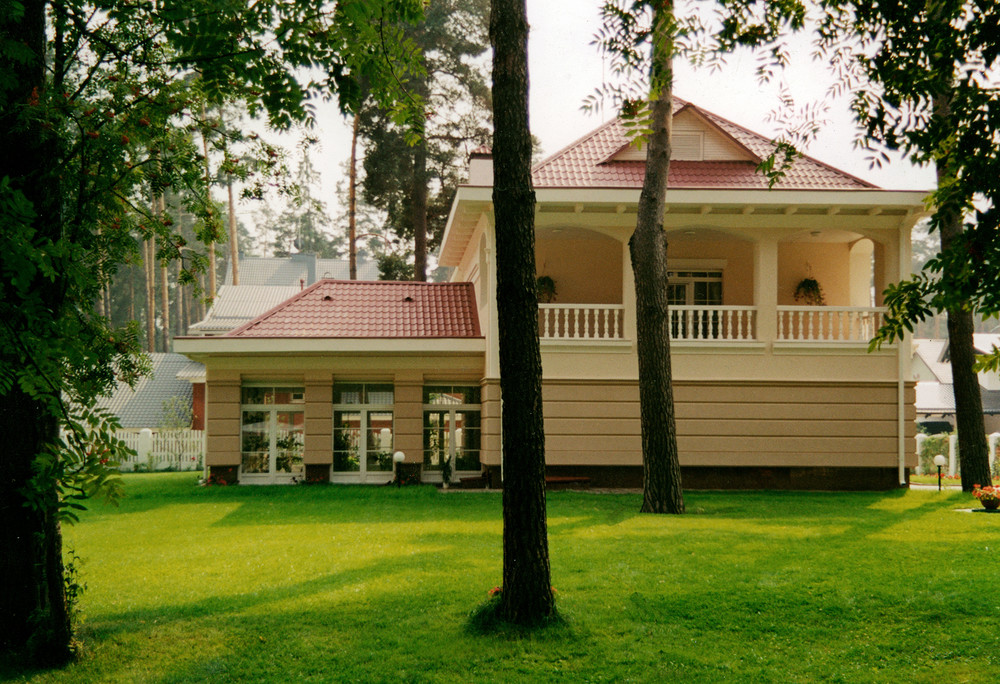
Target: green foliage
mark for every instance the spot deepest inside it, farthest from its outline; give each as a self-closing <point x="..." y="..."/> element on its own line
<point x="99" y="107"/>
<point x="456" y="104"/>
<point x="921" y="78"/>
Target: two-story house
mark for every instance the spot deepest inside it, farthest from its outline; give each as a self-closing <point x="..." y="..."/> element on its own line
<point x="774" y="294"/>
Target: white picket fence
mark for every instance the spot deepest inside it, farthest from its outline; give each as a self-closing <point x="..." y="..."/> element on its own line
<point x="170" y="450"/>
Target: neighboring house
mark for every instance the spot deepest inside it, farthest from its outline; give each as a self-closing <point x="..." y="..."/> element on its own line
<point x="265" y="282"/>
<point x="297" y="269"/>
<point x="935" y="398"/>
<point x="143" y="406"/>
<point x="770" y="391"/>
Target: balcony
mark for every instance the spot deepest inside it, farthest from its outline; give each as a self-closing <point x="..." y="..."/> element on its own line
<point x="581" y="321"/>
<point x="828" y="323"/>
<point x="807" y="324"/>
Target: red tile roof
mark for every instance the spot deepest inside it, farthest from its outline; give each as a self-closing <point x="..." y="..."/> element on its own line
<point x="585" y="164"/>
<point x="365" y="309"/>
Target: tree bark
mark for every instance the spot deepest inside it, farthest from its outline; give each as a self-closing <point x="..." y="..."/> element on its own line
<point x="34" y="616"/>
<point x="972" y="447"/>
<point x="527" y="594"/>
<point x="661" y="481"/>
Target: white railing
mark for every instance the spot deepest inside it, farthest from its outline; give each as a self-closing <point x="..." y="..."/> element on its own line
<point x="172" y="449"/>
<point x="580" y="321"/>
<point x="828" y="323"/>
<point x="725" y="323"/>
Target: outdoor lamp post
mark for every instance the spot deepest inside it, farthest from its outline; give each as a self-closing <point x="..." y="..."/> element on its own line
<point x="397" y="459"/>
<point x="939" y="461"/>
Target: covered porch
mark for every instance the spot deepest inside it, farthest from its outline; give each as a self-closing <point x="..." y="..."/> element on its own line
<point x="728" y="286"/>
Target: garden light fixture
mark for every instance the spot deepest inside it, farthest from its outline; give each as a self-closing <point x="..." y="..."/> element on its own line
<point x="939" y="461"/>
<point x="397" y="459"/>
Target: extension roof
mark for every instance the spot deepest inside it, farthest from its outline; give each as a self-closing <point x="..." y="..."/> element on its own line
<point x="371" y="309"/>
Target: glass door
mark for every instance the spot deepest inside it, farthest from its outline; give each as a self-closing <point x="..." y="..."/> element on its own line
<point x="362" y="433"/>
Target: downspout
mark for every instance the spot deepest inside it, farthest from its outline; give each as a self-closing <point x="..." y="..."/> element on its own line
<point x="901" y="411"/>
<point x="904" y="348"/>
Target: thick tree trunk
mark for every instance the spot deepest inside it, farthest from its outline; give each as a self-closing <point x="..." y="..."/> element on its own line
<point x="34" y="618"/>
<point x="527" y="593"/>
<point x="661" y="482"/>
<point x="972" y="447"/>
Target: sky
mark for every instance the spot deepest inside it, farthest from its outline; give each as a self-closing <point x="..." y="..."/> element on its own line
<point x="564" y="68"/>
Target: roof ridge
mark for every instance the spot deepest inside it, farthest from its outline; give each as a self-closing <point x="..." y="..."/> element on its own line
<point x="275" y="308"/>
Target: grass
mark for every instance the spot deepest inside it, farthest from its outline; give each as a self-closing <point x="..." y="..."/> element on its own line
<point x="946" y="480"/>
<point x="256" y="584"/>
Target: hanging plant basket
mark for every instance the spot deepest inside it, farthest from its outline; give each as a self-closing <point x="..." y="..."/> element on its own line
<point x="809" y="292"/>
<point x="545" y="288"/>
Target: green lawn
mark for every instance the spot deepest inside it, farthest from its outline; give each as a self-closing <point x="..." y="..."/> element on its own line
<point x="246" y="584"/>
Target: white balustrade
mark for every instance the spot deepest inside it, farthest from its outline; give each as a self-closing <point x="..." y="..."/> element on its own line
<point x="715" y="323"/>
<point x="828" y="323"/>
<point x="580" y="321"/>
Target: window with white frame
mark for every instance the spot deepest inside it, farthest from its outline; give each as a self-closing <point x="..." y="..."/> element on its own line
<point x="272" y="431"/>
<point x="452" y="427"/>
<point x="363" y="430"/>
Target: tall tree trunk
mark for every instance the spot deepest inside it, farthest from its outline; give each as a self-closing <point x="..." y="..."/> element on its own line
<point x="418" y="208"/>
<point x="527" y="593"/>
<point x="234" y="238"/>
<point x="208" y="199"/>
<point x="34" y="616"/>
<point x="150" y="266"/>
<point x="661" y="481"/>
<point x="972" y="448"/>
<point x="164" y="288"/>
<point x="352" y="204"/>
<point x="182" y="317"/>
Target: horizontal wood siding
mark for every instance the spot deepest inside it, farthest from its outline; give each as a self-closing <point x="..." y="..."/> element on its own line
<point x="732" y="424"/>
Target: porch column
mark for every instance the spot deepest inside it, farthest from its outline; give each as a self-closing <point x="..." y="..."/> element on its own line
<point x="628" y="296"/>
<point x="765" y="287"/>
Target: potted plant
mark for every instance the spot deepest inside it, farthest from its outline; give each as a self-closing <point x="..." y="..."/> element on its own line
<point x="545" y="288"/>
<point x="989" y="496"/>
<point x="810" y="292"/>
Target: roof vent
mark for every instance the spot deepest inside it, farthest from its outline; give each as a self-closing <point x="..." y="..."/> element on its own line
<point x="327" y="298"/>
<point x="407" y="298"/>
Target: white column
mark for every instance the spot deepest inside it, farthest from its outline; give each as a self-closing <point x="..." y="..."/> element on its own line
<point x="952" y="460"/>
<point x="765" y="287"/>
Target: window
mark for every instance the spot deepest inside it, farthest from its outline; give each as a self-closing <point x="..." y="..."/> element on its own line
<point x="362" y="432"/>
<point x="694" y="289"/>
<point x="452" y="427"/>
<point x="272" y="432"/>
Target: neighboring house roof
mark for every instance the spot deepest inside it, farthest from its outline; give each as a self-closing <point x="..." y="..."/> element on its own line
<point x="236" y="305"/>
<point x="936" y="397"/>
<point x="596" y="160"/>
<point x="142" y="407"/>
<point x="380" y="309"/>
<point x="932" y="353"/>
<point x="289" y="271"/>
